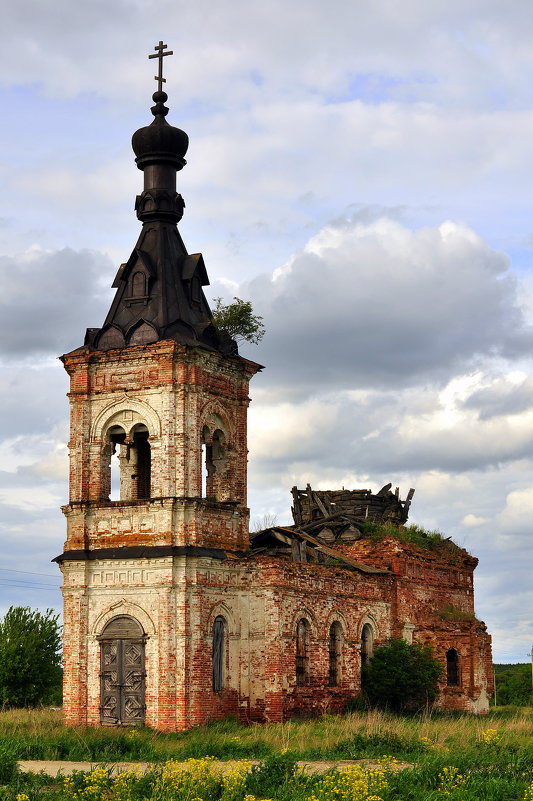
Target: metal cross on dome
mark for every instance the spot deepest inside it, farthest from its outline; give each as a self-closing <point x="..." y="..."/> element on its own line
<point x="160" y="55"/>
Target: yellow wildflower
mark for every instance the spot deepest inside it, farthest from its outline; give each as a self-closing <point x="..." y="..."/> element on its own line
<point x="450" y="779"/>
<point x="490" y="736"/>
<point x="234" y="780"/>
<point x="354" y="783"/>
<point x="250" y="797"/>
<point x="427" y="742"/>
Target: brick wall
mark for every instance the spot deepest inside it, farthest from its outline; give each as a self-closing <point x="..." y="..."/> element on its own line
<point x="185" y="398"/>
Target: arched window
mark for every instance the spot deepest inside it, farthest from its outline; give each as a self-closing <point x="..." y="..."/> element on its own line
<point x="452" y="668"/>
<point x="302" y="652"/>
<point x="138" y="284"/>
<point x="367" y="644"/>
<point x="335" y="652"/>
<point x="219" y="651"/>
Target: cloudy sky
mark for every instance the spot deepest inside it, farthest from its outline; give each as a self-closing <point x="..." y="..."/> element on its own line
<point x="362" y="172"/>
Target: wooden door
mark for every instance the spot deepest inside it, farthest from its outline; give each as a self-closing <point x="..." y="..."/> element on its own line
<point x="122" y="677"/>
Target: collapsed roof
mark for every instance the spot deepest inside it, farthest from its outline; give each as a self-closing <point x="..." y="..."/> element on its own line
<point x="323" y="518"/>
<point x="340" y="514"/>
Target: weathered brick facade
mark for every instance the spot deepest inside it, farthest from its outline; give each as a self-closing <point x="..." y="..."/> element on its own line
<point x="173" y="616"/>
<point x="175" y="562"/>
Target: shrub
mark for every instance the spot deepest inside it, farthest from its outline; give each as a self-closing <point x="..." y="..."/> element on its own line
<point x="401" y="677"/>
<point x="276" y="771"/>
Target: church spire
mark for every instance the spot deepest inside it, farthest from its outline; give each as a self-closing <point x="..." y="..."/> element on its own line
<point x="159" y="289"/>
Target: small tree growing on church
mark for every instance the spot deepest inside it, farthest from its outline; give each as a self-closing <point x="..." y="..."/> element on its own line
<point x="401" y="677"/>
<point x="238" y="320"/>
<point x="30" y="656"/>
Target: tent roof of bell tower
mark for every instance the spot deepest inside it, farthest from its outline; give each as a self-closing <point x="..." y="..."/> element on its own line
<point x="159" y="290"/>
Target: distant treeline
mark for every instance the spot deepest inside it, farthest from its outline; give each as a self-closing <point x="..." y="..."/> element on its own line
<point x="513" y="684"/>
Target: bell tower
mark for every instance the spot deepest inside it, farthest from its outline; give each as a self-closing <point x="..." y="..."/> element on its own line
<point x="158" y="458"/>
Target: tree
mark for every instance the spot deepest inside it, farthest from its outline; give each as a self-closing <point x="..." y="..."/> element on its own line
<point x="238" y="320"/>
<point x="513" y="684"/>
<point x="401" y="677"/>
<point x="268" y="520"/>
<point x="30" y="658"/>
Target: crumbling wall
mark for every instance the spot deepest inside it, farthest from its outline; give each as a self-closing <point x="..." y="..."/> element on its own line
<point x="434" y="605"/>
<point x="321" y="595"/>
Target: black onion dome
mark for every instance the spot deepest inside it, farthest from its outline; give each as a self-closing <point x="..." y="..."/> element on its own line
<point x="160" y="142"/>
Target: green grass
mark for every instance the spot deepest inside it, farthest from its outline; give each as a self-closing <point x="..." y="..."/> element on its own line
<point x="450" y="612"/>
<point x="414" y="535"/>
<point x="492" y="755"/>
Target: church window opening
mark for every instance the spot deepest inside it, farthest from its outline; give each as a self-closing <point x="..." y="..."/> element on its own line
<point x="452" y="668"/>
<point x="138" y="284"/>
<point x="335" y="650"/>
<point x="367" y="644"/>
<point x="219" y="650"/>
<point x="302" y="652"/>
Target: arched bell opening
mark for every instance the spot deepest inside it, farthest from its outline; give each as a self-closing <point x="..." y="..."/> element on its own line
<point x="122" y="673"/>
<point x="140" y="462"/>
<point x="206" y="455"/>
<point x="126" y="464"/>
<point x="214" y="463"/>
<point x="113" y="450"/>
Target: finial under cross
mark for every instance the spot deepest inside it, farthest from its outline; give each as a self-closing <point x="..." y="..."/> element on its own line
<point x="160" y="55"/>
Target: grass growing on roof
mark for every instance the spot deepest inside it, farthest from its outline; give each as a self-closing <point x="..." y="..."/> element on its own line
<point x="413" y="535"/>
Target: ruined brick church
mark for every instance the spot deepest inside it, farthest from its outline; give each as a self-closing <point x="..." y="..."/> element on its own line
<point x="173" y="614"/>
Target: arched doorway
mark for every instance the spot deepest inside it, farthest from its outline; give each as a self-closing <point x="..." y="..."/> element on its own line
<point x="122" y="673"/>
